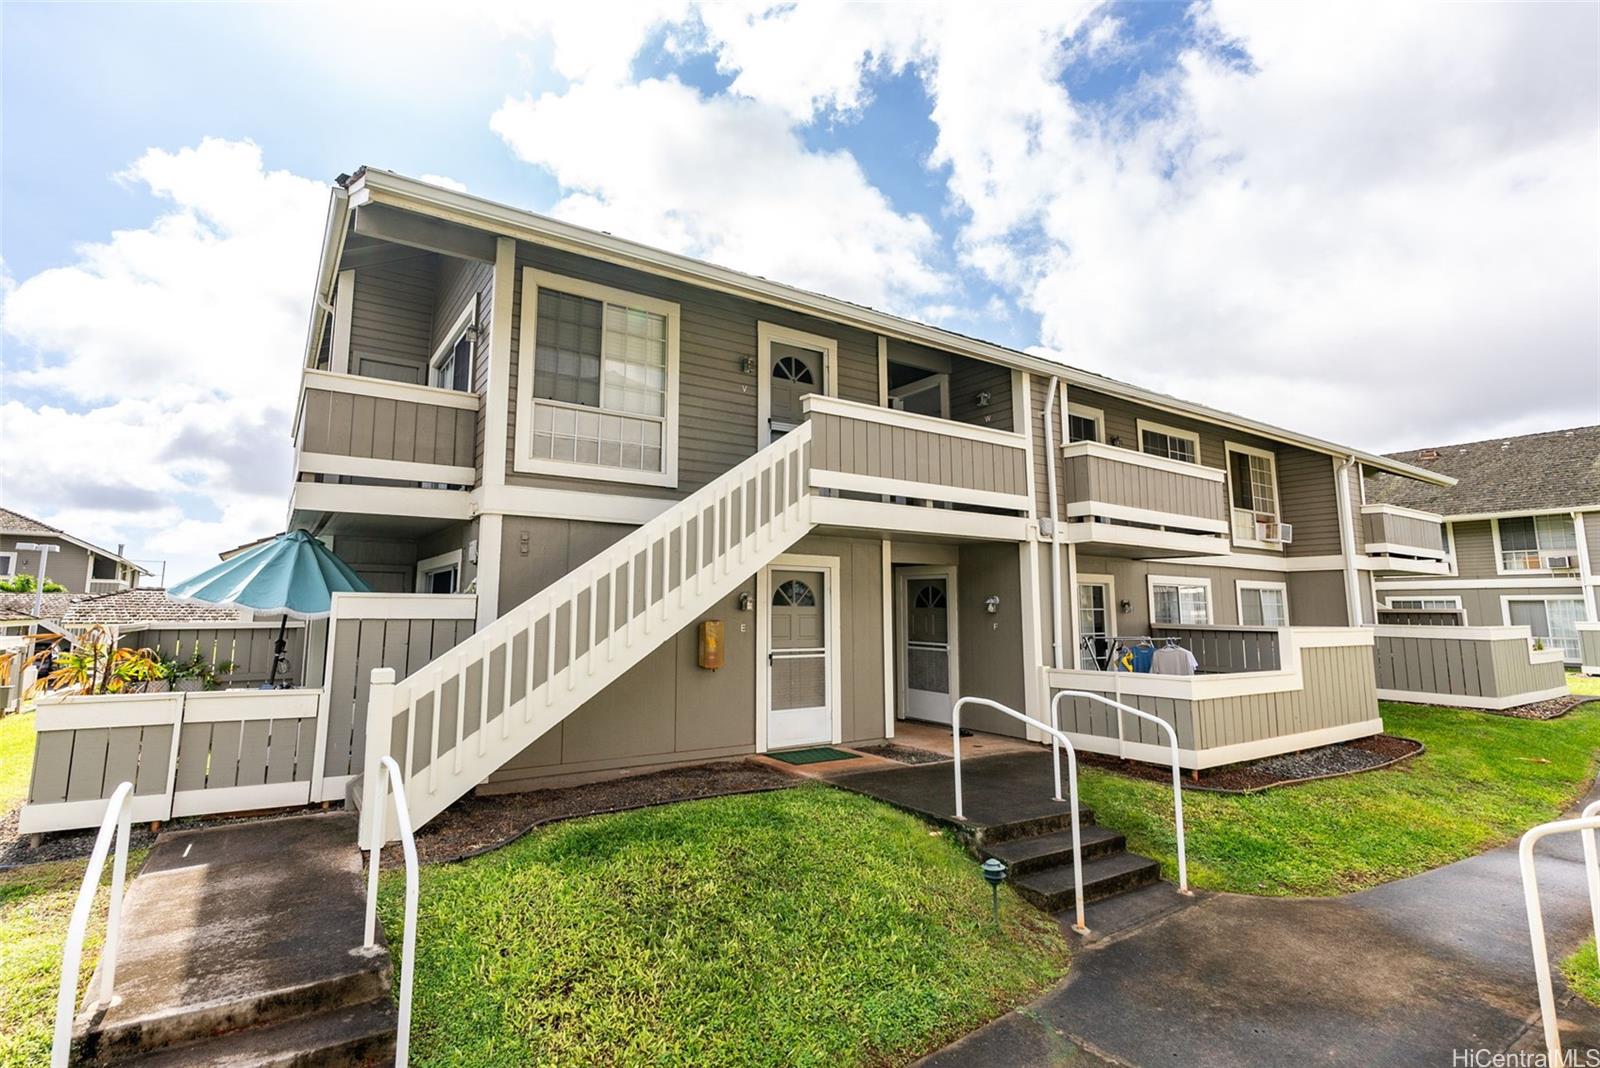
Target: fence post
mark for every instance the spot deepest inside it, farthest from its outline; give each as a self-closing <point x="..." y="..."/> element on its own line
<point x="380" y="715"/>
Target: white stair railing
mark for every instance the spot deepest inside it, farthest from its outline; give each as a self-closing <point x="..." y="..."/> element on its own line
<point x="1058" y="739"/>
<point x="1172" y="744"/>
<point x="389" y="773"/>
<point x="118" y="817"/>
<point x="1586" y="825"/>
<point x="586" y="629"/>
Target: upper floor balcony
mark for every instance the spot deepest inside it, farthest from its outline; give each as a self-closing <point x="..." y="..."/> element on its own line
<point x="1122" y="502"/>
<point x="1408" y="541"/>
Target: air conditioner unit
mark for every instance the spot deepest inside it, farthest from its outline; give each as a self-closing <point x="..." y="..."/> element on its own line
<point x="1274" y="532"/>
<point x="1561" y="563"/>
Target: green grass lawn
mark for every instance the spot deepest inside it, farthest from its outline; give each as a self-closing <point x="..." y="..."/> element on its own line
<point x="16" y="759"/>
<point x="1584" y="684"/>
<point x="806" y="926"/>
<point x="1483" y="780"/>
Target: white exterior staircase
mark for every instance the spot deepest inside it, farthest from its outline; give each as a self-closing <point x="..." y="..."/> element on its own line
<point x="455" y="721"/>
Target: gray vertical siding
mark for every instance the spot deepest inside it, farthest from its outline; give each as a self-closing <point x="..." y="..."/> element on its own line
<point x="1381" y="527"/>
<point x="860" y="447"/>
<point x="1228" y="649"/>
<point x="1095" y="478"/>
<point x="345" y="424"/>
<point x="1589" y="647"/>
<point x="1469" y="667"/>
<point x="248" y="648"/>
<point x="88" y="764"/>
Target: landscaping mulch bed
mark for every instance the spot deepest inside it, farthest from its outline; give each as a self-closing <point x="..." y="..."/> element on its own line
<point x="904" y="754"/>
<point x="478" y="824"/>
<point x="1287" y="769"/>
<point x="1554" y="708"/>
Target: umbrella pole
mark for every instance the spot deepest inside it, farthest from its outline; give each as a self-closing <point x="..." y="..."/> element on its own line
<point x="277" y="653"/>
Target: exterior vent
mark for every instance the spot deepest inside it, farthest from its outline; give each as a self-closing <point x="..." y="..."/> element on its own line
<point x="1427" y="456"/>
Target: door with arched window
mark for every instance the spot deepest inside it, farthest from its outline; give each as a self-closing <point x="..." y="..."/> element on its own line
<point x="798" y="676"/>
<point x="927" y="643"/>
<point x="793" y="366"/>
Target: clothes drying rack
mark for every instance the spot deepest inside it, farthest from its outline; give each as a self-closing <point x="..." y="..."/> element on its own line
<point x="1103" y="663"/>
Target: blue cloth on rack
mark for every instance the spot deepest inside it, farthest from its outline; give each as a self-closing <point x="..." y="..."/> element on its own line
<point x="1142" y="656"/>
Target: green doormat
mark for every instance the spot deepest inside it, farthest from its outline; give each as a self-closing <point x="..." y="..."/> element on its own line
<point x="812" y="756"/>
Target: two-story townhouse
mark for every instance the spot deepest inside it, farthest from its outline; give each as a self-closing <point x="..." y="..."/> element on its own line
<point x="1522" y="524"/>
<point x="78" y="565"/>
<point x="627" y="508"/>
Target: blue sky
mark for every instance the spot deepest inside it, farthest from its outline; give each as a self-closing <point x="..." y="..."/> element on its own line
<point x="1255" y="206"/>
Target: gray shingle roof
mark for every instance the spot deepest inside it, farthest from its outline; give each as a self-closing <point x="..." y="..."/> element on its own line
<point x="120" y="608"/>
<point x="1556" y="469"/>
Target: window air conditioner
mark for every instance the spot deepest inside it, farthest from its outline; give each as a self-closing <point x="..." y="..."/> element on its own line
<point x="1274" y="532"/>
<point x="1561" y="563"/>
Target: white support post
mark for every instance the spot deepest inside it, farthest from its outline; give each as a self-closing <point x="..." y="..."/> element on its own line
<point x="380" y="717"/>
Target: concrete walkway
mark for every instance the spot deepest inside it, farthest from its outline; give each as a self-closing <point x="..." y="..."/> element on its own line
<point x="1402" y="974"/>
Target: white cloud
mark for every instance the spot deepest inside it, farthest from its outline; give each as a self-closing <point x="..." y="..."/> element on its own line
<point x="725" y="179"/>
<point x="443" y="182"/>
<point x="163" y="363"/>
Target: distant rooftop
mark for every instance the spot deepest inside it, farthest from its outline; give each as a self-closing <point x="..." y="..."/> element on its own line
<point x="25" y="525"/>
<point x="1534" y="472"/>
<point x="121" y="608"/>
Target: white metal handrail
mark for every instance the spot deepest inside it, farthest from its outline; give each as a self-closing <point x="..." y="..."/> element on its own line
<point x="119" y="816"/>
<point x="1059" y="740"/>
<point x="1586" y="825"/>
<point x="389" y="773"/>
<point x="1172" y="743"/>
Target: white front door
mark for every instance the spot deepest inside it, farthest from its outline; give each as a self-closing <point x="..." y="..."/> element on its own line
<point x="928" y="648"/>
<point x="798" y="668"/>
<point x="1094" y="624"/>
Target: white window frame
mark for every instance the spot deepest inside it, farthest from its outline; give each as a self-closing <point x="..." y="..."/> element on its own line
<point x="1499" y="558"/>
<point x="1453" y="605"/>
<point x="465" y="322"/>
<point x="1229" y="448"/>
<point x="1141" y="425"/>
<point x="1083" y="411"/>
<point x="10" y="559"/>
<point x="766" y="334"/>
<point x="1152" y="581"/>
<point x="1505" y="613"/>
<point x="1085" y="579"/>
<point x="432" y="565"/>
<point x="522" y="459"/>
<point x="1241" y="585"/>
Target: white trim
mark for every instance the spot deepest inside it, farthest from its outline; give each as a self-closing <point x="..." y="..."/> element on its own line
<point x="1348" y="536"/>
<point x="1470" y="516"/>
<point x="442" y="562"/>
<point x="328" y="463"/>
<point x="766" y="334"/>
<point x="1231" y="447"/>
<point x="1141" y="425"/>
<point x="380" y="500"/>
<point x="1499" y="560"/>
<point x="1034" y="696"/>
<point x="1090" y="535"/>
<point x="1083" y="411"/>
<point x="1397" y="510"/>
<point x="883" y="372"/>
<point x="240" y="798"/>
<point x="1585" y="567"/>
<point x="549" y="503"/>
<point x="1081" y="509"/>
<point x="1476" y="634"/>
<point x="361" y="386"/>
<point x="344" y="299"/>
<point x="1110" y="583"/>
<point x="1393" y="549"/>
<point x="466" y="321"/>
<point x="404" y="606"/>
<point x="848" y="409"/>
<point x="936" y="381"/>
<point x="1534" y="583"/>
<point x="880" y="517"/>
<point x="1142" y="459"/>
<point x="1225" y="754"/>
<point x="1025" y="388"/>
<point x="902" y="608"/>
<point x="532" y="280"/>
<point x="829" y="565"/>
<point x="887" y="581"/>
<point x="10" y="559"/>
<point x="896" y="487"/>
<point x="84" y="712"/>
<point x="1240" y="585"/>
<point x="245" y="706"/>
<point x="375" y="185"/>
<point x="491" y="534"/>
<point x="1505" y="617"/>
<point x="1152" y="581"/>
<point x="1461" y="700"/>
<point x="496" y="416"/>
<point x="1389" y="603"/>
<point x="72" y="815"/>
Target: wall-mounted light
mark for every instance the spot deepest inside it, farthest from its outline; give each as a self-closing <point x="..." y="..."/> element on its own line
<point x="982" y="400"/>
<point x="748" y="365"/>
<point x="1124" y="607"/>
<point x="1116" y="441"/>
<point x="745" y="602"/>
<point x="991" y="603"/>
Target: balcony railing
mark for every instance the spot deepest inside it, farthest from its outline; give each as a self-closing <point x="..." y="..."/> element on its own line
<point x="371" y="428"/>
<point x="1120" y="496"/>
<point x="1392" y="531"/>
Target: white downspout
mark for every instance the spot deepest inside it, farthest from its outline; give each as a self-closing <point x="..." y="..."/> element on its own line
<point x="1585" y="567"/>
<point x="1055" y="534"/>
<point x="1347" y="536"/>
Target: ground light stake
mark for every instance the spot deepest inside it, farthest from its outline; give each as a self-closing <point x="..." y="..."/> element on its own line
<point x="994" y="873"/>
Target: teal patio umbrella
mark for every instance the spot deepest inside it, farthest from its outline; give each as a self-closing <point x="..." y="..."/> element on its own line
<point x="294" y="574"/>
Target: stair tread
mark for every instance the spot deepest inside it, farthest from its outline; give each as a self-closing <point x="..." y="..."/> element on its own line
<point x="366" y="1031"/>
<point x="1100" y="869"/>
<point x="1015" y="850"/>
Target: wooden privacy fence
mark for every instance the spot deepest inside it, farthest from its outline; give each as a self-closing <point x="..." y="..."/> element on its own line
<point x="187" y="754"/>
<point x="1473" y="667"/>
<point x="248" y="646"/>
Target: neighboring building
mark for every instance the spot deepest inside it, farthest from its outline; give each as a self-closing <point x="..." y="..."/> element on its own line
<point x="1523" y="526"/>
<point x="502" y="416"/>
<point x="78" y="565"/>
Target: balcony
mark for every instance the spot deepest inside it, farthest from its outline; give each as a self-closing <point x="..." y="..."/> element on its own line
<point x="1126" y="503"/>
<point x="378" y="447"/>
<point x="877" y="468"/>
<point x="1408" y="541"/>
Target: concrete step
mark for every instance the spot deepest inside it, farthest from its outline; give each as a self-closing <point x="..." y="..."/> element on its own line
<point x="1024" y="855"/>
<point x="1052" y="890"/>
<point x="237" y="927"/>
<point x="1028" y="827"/>
<point x="356" y="1035"/>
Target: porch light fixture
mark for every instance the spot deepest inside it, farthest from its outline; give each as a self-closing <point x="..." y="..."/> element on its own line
<point x="745" y="602"/>
<point x="991" y="604"/>
<point x="983" y="399"/>
<point x="994" y="873"/>
<point x="748" y="365"/>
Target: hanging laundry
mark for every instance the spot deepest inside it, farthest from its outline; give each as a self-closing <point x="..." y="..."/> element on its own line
<point x="1142" y="657"/>
<point x="1123" y="659"/>
<point x="1174" y="660"/>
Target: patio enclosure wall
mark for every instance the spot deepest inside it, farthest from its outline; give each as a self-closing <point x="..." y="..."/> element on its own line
<point x="1474" y="667"/>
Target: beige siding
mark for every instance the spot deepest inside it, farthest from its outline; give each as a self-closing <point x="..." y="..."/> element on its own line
<point x="1318" y="599"/>
<point x="1474" y="549"/>
<point x="68" y="565"/>
<point x="1467" y="667"/>
<point x="87" y="765"/>
<point x="992" y="660"/>
<point x="391" y="319"/>
<point x="1589" y="647"/>
<point x="1591" y="535"/>
<point x="968" y="378"/>
<point x="249" y="649"/>
<point x="1095" y="478"/>
<point x="344" y="424"/>
<point x="1131" y="578"/>
<point x="1482" y="607"/>
<point x="1382" y="527"/>
<point x="859" y="447"/>
<point x="459" y="281"/>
